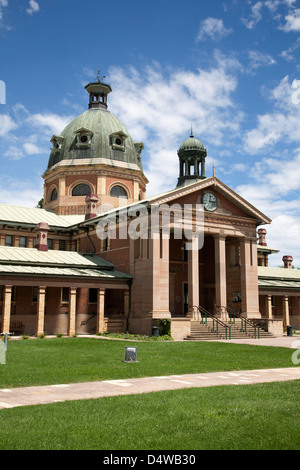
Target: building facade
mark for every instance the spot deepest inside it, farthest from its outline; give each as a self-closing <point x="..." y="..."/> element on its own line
<point x="101" y="256"/>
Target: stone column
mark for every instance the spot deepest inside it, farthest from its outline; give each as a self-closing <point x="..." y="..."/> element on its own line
<point x="220" y="276"/>
<point x="40" y="310"/>
<point x="159" y="256"/>
<point x="269" y="306"/>
<point x="100" y="310"/>
<point x="193" y="277"/>
<point x="249" y="278"/>
<point x="6" y="309"/>
<point x="285" y="310"/>
<point x="72" y="311"/>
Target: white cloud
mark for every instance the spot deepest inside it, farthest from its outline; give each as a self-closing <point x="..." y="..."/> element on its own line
<point x="6" y="124"/>
<point x="292" y="21"/>
<point x="20" y="192"/>
<point x="53" y="122"/>
<point x="283" y="122"/>
<point x="213" y="28"/>
<point x="32" y="149"/>
<point x="260" y="59"/>
<point x="255" y="16"/>
<point x="33" y="7"/>
<point x="164" y="104"/>
<point x="13" y="153"/>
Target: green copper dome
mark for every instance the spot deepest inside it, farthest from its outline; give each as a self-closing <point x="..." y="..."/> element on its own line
<point x="96" y="136"/>
<point x="191" y="144"/>
<point x="191" y="154"/>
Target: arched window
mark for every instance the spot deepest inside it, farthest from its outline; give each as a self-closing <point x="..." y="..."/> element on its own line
<point x="118" y="191"/>
<point x="81" y="190"/>
<point x="53" y="195"/>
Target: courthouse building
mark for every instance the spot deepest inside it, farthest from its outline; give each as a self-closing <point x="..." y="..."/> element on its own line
<point x="60" y="274"/>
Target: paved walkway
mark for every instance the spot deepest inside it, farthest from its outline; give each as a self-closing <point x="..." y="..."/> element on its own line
<point x="10" y="398"/>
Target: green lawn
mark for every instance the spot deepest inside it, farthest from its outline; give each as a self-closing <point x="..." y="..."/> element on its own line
<point x="69" y="360"/>
<point x="263" y="416"/>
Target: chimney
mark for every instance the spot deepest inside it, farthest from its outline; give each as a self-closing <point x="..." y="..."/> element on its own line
<point x="288" y="262"/>
<point x="42" y="230"/>
<point x="91" y="206"/>
<point x="262" y="236"/>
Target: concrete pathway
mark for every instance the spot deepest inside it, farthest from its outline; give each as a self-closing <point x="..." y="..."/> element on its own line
<point x="11" y="398"/>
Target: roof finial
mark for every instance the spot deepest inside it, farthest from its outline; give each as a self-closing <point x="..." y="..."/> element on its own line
<point x="214" y="173"/>
<point x="98" y="76"/>
<point x="192" y="135"/>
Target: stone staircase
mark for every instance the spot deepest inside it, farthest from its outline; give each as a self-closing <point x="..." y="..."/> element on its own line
<point x="210" y="330"/>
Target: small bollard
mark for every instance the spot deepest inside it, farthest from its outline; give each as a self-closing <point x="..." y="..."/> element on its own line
<point x="130" y="354"/>
<point x="155" y="331"/>
<point x="289" y="330"/>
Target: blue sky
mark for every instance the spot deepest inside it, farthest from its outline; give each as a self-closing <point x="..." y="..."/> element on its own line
<point x="228" y="68"/>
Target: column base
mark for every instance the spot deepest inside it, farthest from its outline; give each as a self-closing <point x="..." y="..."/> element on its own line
<point x="157" y="314"/>
<point x="221" y="312"/>
<point x="251" y="315"/>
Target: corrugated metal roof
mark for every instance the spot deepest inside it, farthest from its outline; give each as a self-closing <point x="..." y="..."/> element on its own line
<point x="33" y="216"/>
<point x="61" y="272"/>
<point x="267" y="249"/>
<point x="279" y="284"/>
<point x="32" y="262"/>
<point x="32" y="256"/>
<point x="279" y="273"/>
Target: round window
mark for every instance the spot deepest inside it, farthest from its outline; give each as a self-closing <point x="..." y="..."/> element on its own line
<point x="83" y="139"/>
<point x="118" y="141"/>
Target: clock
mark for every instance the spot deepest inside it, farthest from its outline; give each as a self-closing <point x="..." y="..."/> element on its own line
<point x="209" y="201"/>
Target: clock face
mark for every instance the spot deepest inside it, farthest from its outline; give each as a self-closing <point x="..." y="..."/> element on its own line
<point x="209" y="201"/>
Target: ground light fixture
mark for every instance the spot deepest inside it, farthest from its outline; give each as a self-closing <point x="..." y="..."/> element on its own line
<point x="130" y="354"/>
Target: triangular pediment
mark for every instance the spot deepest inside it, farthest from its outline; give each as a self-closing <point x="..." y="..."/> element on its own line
<point x="229" y="203"/>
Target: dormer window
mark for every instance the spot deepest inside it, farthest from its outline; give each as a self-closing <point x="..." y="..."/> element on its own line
<point x="56" y="142"/>
<point x="83" y="138"/>
<point x="117" y="141"/>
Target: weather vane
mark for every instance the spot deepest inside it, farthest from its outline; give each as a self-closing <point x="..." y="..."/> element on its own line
<point x="98" y="76"/>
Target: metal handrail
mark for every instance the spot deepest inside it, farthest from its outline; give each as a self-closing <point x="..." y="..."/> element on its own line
<point x="206" y="314"/>
<point x="84" y="322"/>
<point x="244" y="321"/>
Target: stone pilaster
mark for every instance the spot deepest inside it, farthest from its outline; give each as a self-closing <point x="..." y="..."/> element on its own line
<point x="72" y="311"/>
<point x="220" y="276"/>
<point x="41" y="302"/>
<point x="193" y="277"/>
<point x="6" y="309"/>
<point x="100" y="310"/>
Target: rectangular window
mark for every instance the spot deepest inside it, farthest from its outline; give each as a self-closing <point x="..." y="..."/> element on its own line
<point x="34" y="293"/>
<point x="65" y="294"/>
<point x="50" y="243"/>
<point x="8" y="240"/>
<point x="23" y="242"/>
<point x="92" y="296"/>
<point x="62" y="245"/>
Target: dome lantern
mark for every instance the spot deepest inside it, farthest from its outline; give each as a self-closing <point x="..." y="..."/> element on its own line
<point x="191" y="154"/>
<point x="98" y="92"/>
